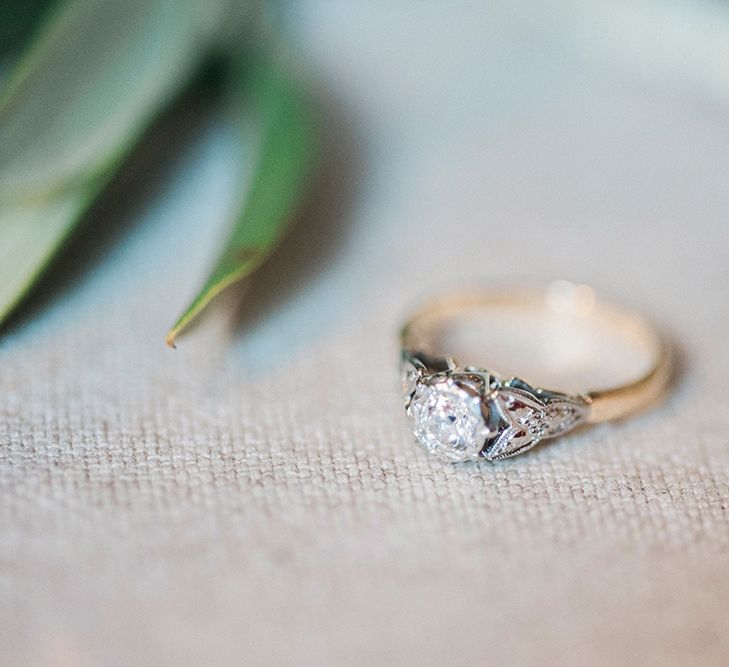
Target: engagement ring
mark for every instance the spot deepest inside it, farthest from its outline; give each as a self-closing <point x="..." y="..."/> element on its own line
<point x="464" y="412"/>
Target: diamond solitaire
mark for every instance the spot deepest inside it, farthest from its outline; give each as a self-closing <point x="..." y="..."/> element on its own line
<point x="448" y="419"/>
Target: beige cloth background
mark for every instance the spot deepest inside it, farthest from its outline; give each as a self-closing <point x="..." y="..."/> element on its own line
<point x="255" y="498"/>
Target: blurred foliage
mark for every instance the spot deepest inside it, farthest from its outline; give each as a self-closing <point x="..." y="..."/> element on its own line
<point x="18" y="20"/>
<point x="85" y="89"/>
<point x="288" y="146"/>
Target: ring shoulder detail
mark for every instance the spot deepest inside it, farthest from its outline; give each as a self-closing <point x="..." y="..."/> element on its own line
<point x="530" y="415"/>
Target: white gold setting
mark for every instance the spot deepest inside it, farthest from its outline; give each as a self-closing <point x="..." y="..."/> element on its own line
<point x="470" y="414"/>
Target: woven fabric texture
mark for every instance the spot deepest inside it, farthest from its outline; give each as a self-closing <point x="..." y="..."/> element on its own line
<point x="255" y="498"/>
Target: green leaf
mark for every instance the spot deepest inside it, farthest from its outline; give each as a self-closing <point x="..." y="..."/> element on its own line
<point x="94" y="79"/>
<point x="287" y="148"/>
<point x="18" y="19"/>
<point x="31" y="234"/>
<point x="80" y="98"/>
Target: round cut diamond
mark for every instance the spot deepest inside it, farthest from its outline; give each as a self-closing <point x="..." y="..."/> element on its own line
<point x="448" y="419"/>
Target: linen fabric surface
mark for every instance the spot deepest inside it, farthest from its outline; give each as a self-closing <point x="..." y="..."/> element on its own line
<point x="255" y="497"/>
